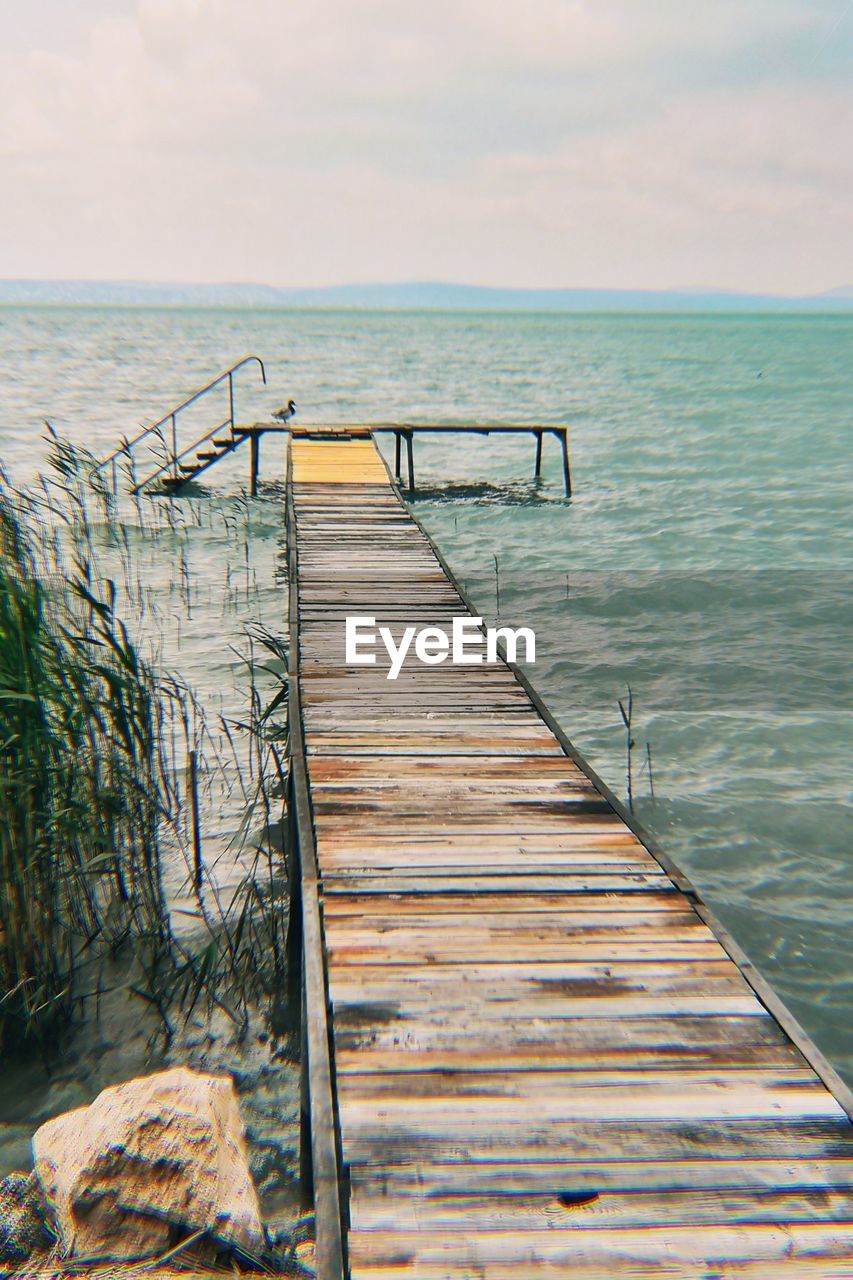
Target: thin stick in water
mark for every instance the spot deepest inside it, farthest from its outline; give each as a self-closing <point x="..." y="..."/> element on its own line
<point x="649" y="767"/>
<point x="198" y="866"/>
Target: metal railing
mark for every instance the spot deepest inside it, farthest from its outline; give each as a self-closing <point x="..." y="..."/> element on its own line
<point x="173" y="463"/>
<point x="170" y="418"/>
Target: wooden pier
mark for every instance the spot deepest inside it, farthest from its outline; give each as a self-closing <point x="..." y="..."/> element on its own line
<point x="405" y="432"/>
<point x="530" y="1050"/>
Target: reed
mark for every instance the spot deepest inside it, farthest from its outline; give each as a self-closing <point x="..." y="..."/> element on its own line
<point x="81" y="787"/>
<point x="626" y="711"/>
<point x="92" y="742"/>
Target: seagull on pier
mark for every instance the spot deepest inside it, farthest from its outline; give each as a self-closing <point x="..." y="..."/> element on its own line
<point x="284" y="415"/>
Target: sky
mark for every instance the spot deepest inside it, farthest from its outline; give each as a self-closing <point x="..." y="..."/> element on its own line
<point x="531" y="143"/>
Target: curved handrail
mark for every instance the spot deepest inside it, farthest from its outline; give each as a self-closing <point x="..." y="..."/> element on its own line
<point x="127" y="445"/>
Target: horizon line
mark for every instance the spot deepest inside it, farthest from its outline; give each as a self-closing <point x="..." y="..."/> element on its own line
<point x="682" y="291"/>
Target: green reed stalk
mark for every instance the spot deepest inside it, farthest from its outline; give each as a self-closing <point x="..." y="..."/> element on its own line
<point x="80" y="777"/>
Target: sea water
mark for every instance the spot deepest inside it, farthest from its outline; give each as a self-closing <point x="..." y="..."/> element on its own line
<point x="704" y="560"/>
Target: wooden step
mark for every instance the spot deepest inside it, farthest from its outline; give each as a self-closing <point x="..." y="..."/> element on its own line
<point x="188" y="468"/>
<point x="225" y="444"/>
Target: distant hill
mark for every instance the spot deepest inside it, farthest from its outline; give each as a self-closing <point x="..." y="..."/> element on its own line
<point x="418" y="296"/>
<point x="110" y="293"/>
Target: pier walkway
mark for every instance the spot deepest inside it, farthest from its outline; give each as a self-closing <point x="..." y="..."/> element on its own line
<point x="530" y="1050"/>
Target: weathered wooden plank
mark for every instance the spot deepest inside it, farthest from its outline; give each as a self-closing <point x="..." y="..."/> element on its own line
<point x="403" y="744"/>
<point x="545" y="927"/>
<point x="658" y="1137"/>
<point x="399" y="1181"/>
<point x="383" y="912"/>
<point x="434" y="790"/>
<point x="358" y="1055"/>
<point x="405" y="1267"/>
<point x="397" y="718"/>
<point x="479" y="883"/>
<point x="481" y="767"/>
<point x="711" y="1251"/>
<point x="534" y="770"/>
<point x="543" y="1212"/>
<point x="365" y="861"/>
<point x="703" y="1245"/>
<point x="367" y="818"/>
<point x="528" y="982"/>
<point x="820" y="1268"/>
<point x="395" y="1011"/>
<point x="436" y="1104"/>
<point x="471" y="1088"/>
<point x="436" y="737"/>
<point x="572" y="1039"/>
<point x="747" y="1115"/>
<point x="615" y="839"/>
<point x="356" y="998"/>
<point x="606" y="880"/>
<point x="521" y="825"/>
<point x="599" y="920"/>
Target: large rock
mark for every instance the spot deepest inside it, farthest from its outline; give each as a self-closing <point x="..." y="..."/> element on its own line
<point x="148" y="1162"/>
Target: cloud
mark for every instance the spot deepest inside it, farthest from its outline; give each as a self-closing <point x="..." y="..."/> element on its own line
<point x="758" y="182"/>
<point x="618" y="142"/>
<point x="127" y="87"/>
<point x="600" y="35"/>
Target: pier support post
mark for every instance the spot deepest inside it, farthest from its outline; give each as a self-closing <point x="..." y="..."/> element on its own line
<point x="537" y="472"/>
<point x="411" y="464"/>
<point x="567" y="475"/>
<point x="397" y="449"/>
<point x="255" y="447"/>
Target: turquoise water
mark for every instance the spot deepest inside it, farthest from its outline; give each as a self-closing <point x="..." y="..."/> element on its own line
<point x="704" y="559"/>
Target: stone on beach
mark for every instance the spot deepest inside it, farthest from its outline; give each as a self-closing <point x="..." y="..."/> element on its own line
<point x="147" y="1163"/>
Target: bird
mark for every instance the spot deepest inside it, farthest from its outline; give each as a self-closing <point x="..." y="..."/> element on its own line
<point x="284" y="415"/>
